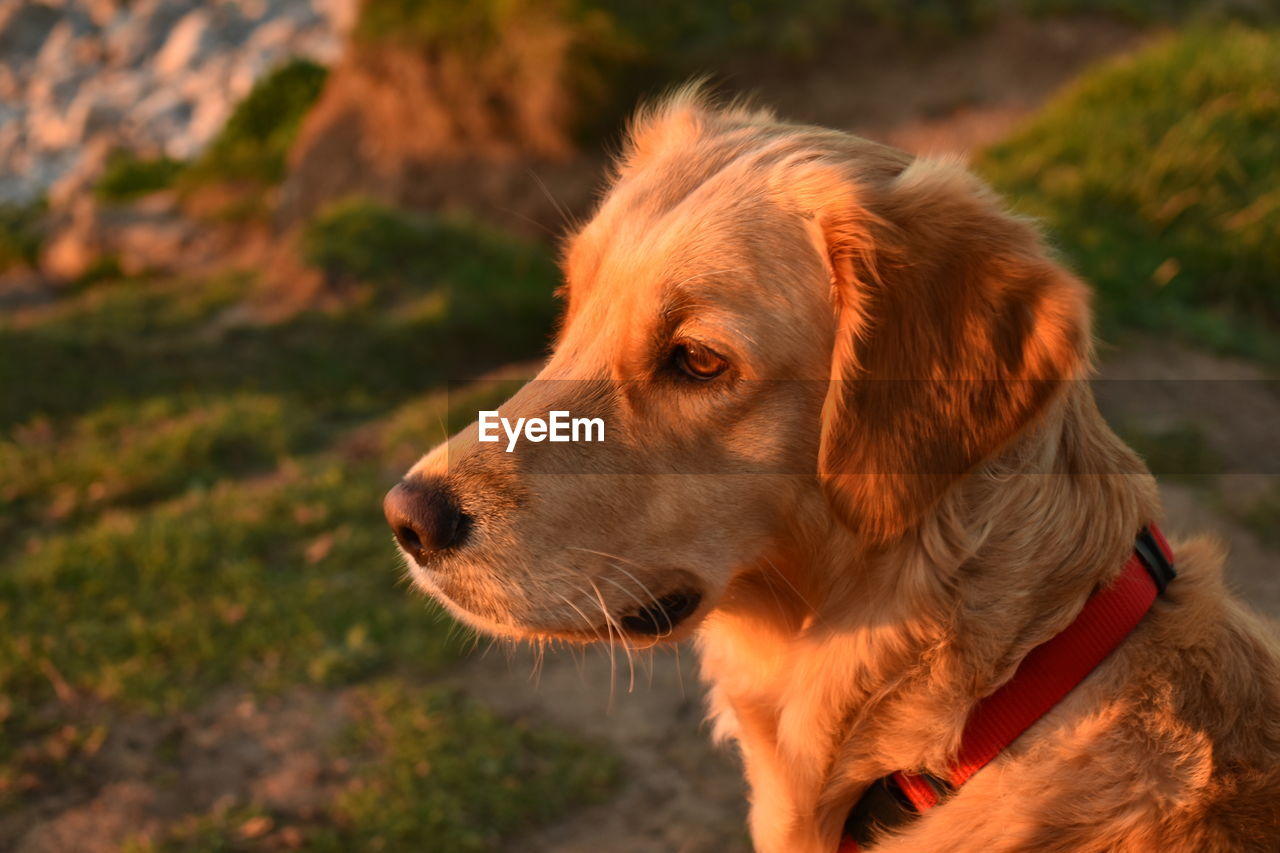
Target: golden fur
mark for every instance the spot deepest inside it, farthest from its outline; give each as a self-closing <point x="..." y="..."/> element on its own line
<point x="880" y="536"/>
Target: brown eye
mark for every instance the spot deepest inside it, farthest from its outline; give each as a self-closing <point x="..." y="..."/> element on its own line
<point x="699" y="362"/>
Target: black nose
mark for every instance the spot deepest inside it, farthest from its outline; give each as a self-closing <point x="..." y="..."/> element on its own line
<point x="425" y="517"/>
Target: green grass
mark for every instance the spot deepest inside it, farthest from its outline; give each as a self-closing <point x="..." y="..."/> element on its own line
<point x="285" y="580"/>
<point x="364" y="241"/>
<point x="20" y="234"/>
<point x="1262" y="516"/>
<point x="253" y="145"/>
<point x="191" y="502"/>
<point x="127" y="176"/>
<point x="133" y="453"/>
<point x="1157" y="176"/>
<point x="466" y="299"/>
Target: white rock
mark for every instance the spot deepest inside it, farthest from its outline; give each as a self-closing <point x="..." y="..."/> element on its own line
<point x="186" y="42"/>
<point x="157" y="74"/>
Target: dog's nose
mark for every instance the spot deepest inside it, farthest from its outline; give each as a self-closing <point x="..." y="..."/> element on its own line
<point x="425" y="517"/>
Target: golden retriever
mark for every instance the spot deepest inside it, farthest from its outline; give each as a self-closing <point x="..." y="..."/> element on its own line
<point x="852" y="452"/>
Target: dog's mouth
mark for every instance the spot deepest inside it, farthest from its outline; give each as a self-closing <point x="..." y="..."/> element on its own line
<point x="663" y="616"/>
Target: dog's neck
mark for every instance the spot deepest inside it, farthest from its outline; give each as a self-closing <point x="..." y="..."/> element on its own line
<point x="826" y="656"/>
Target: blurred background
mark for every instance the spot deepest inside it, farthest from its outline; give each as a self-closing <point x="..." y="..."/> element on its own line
<point x="257" y="255"/>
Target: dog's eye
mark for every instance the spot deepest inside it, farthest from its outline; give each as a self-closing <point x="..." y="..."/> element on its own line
<point x="698" y="362"/>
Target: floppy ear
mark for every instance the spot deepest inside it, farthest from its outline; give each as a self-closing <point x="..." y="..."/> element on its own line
<point x="954" y="331"/>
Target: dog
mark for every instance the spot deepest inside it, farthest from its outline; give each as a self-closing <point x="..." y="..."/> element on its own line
<point x="852" y="452"/>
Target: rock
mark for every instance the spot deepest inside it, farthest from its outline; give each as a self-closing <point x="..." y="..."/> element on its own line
<point x="23" y="29"/>
<point x="158" y="75"/>
<point x="187" y="41"/>
<point x="74" y="243"/>
<point x="79" y="179"/>
<point x="442" y="129"/>
<point x="152" y="235"/>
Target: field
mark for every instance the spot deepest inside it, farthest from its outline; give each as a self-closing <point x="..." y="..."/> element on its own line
<point x="209" y="643"/>
<point x="191" y="510"/>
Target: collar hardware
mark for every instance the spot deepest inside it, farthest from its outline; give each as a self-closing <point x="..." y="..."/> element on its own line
<point x="1153" y="551"/>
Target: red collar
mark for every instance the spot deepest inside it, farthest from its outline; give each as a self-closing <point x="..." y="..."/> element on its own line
<point x="1044" y="677"/>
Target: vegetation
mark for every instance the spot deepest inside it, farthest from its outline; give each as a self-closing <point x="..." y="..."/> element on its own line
<point x="475" y="273"/>
<point x="1157" y="176"/>
<point x="255" y="141"/>
<point x="250" y="150"/>
<point x="1177" y="452"/>
<point x="128" y="176"/>
<point x="20" y="234"/>
<point x="1262" y="516"/>
<point x="188" y="502"/>
<point x="459" y="777"/>
<point x="677" y="35"/>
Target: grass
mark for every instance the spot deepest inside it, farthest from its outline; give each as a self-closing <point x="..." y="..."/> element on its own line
<point x="1262" y="516"/>
<point x="466" y="300"/>
<point x="128" y="176"/>
<point x="20" y="234"/>
<point x="1157" y="176"/>
<point x="190" y="502"/>
<point x="1177" y="451"/>
<point x="125" y="454"/>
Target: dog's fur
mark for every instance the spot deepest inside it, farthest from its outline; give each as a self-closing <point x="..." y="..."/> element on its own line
<point x="875" y="552"/>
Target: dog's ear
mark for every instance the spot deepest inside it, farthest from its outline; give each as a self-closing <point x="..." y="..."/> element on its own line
<point x="954" y="330"/>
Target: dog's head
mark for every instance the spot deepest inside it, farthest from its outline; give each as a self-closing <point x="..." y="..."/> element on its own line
<point x="781" y="328"/>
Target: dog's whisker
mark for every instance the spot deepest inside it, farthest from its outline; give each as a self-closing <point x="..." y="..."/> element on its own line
<point x="680" y="674"/>
<point x="643" y="588"/>
<point x="621" y="559"/>
<point x="538" y="663"/>
<point x="638" y="583"/>
<point x="816" y="613"/>
<point x="773" y="593"/>
<point x="567" y="220"/>
<point x="622" y="640"/>
<point x="613" y="661"/>
<point x="586" y="621"/>
<point x="661" y="635"/>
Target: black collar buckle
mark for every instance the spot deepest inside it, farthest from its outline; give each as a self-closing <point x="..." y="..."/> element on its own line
<point x="1154" y="560"/>
<point x="885" y="807"/>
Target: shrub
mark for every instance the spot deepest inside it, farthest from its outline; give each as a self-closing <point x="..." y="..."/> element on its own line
<point x="1157" y="174"/>
<point x="368" y="241"/>
<point x="496" y="289"/>
<point x="253" y="144"/>
<point x="20" y="234"/>
<point x="128" y="176"/>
